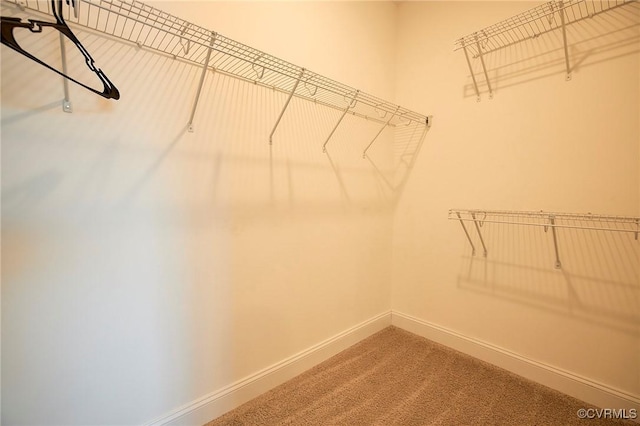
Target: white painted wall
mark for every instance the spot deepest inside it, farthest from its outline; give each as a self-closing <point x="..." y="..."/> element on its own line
<point x="540" y="144"/>
<point x="144" y="266"/>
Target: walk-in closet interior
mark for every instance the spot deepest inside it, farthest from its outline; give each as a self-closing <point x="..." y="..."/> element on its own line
<point x="202" y="200"/>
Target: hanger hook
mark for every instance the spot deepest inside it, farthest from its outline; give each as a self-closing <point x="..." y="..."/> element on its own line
<point x="8" y="39"/>
<point x="185" y="46"/>
<point x="351" y="101"/>
<point x="403" y="120"/>
<point x="481" y="221"/>
<point x="315" y="88"/>
<point x="484" y="42"/>
<point x="378" y="111"/>
<point x="552" y="16"/>
<point x="259" y="74"/>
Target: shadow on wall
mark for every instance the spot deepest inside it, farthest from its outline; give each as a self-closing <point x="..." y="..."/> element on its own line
<point x="142" y="250"/>
<point x="591" y="41"/>
<point x="406" y="144"/>
<point x="293" y="173"/>
<point x="599" y="281"/>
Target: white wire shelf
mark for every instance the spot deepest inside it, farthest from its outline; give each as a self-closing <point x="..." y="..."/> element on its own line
<point x="531" y="24"/>
<point x="546" y="220"/>
<point x="151" y="28"/>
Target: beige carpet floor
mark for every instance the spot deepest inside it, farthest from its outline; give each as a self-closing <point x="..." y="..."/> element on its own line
<point x="397" y="378"/>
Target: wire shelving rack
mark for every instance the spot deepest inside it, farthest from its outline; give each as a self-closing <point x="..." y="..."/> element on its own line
<point x="153" y="29"/>
<point x="531" y="24"/>
<point x="545" y="220"/>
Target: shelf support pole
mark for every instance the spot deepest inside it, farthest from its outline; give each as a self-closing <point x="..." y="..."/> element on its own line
<point x="344" y="113"/>
<point x="464" y="228"/>
<point x="202" y="76"/>
<point x="564" y="40"/>
<point x="364" y="154"/>
<point x="484" y="68"/>
<point x="473" y="76"/>
<point x="475" y="221"/>
<point x="552" y="221"/>
<point x="286" y="104"/>
<point x="66" y="103"/>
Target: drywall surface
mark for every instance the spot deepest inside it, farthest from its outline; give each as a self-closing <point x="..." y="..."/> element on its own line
<point x="145" y="266"/>
<point x="542" y="143"/>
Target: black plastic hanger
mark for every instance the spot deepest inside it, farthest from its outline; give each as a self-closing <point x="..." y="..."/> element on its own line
<point x="35" y="26"/>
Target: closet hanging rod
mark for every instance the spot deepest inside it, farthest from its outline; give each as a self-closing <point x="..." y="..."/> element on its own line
<point x="151" y="28"/>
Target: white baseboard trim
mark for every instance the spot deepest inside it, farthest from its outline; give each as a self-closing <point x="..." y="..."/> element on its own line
<point x="219" y="402"/>
<point x="579" y="387"/>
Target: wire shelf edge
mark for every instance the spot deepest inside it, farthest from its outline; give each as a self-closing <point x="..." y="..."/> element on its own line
<point x="533" y="23"/>
<point x="545" y="219"/>
<point x="151" y="28"/>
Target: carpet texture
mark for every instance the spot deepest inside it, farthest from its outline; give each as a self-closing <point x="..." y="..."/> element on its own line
<point x="397" y="378"/>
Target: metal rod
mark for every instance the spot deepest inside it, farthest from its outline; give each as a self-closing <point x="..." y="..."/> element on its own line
<point x="586" y="228"/>
<point x="364" y="154"/>
<point x="473" y="248"/>
<point x="545" y="215"/>
<point x="344" y="113"/>
<point x="484" y="68"/>
<point x="201" y="82"/>
<point x="286" y="104"/>
<point x="66" y="103"/>
<point x="484" y="248"/>
<point x="564" y="41"/>
<point x="473" y="77"/>
<point x="552" y="220"/>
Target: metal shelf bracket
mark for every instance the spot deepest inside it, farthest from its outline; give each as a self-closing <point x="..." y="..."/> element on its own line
<point x="464" y="228"/>
<point x="484" y="68"/>
<point x="552" y="221"/>
<point x="66" y="102"/>
<point x="201" y="82"/>
<point x="352" y="103"/>
<point x="564" y="41"/>
<point x="475" y="222"/>
<point x="473" y="76"/>
<point x="286" y="104"/>
<point x="364" y="154"/>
